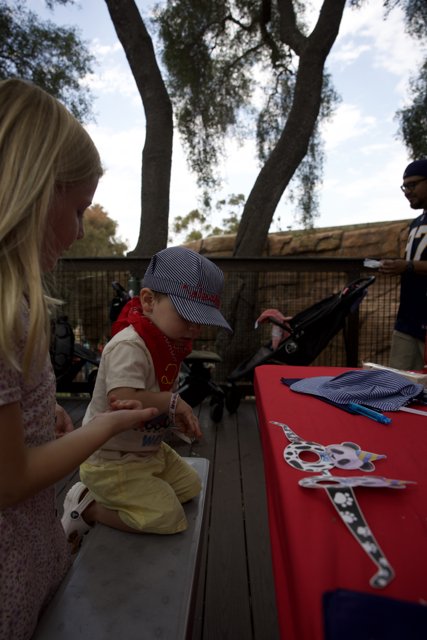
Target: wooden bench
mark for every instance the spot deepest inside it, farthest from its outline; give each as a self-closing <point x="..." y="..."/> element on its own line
<point x="130" y="586"/>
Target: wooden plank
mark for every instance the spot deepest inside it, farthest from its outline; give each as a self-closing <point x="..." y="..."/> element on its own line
<point x="205" y="448"/>
<point x="227" y="599"/>
<point x="263" y="599"/>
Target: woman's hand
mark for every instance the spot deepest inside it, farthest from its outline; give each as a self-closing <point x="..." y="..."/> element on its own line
<point x="124" y="415"/>
<point x="63" y="422"/>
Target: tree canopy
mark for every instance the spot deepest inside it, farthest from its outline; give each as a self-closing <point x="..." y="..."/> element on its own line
<point x="255" y="68"/>
<point x="100" y="238"/>
<point x="55" y="58"/>
<point x="229" y="72"/>
<point x="412" y="119"/>
<point x="247" y="67"/>
<point x="196" y="223"/>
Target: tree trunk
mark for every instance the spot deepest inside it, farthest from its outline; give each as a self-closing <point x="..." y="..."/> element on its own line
<point x="157" y="152"/>
<point x="285" y="158"/>
<point x="292" y="146"/>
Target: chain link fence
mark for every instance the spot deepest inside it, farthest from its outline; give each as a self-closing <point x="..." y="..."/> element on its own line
<point x="287" y="284"/>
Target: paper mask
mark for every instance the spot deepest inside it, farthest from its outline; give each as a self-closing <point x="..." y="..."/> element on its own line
<point x="346" y="455"/>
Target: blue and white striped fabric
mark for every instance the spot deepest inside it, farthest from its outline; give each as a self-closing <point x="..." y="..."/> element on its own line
<point x="384" y="390"/>
<point x="192" y="282"/>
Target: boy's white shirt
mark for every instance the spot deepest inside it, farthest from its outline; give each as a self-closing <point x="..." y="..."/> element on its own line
<point x="125" y="362"/>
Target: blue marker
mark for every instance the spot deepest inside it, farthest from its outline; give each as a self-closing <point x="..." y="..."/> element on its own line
<point x="369" y="413"/>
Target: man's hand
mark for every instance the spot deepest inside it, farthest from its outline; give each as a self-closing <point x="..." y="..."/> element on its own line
<point x="393" y="267"/>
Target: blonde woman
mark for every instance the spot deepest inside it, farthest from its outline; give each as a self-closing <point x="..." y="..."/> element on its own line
<point x="49" y="170"/>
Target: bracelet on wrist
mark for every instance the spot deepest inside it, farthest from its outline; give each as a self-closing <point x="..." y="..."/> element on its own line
<point x="172" y="406"/>
<point x="410" y="267"/>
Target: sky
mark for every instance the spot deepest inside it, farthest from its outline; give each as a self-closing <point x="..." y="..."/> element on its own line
<point x="364" y="158"/>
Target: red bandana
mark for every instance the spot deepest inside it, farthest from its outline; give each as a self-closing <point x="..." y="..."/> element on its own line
<point x="167" y="354"/>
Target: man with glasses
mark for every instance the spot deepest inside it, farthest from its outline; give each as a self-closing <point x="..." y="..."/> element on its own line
<point x="409" y="335"/>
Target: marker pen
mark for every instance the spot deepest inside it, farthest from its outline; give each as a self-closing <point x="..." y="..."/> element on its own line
<point x="369" y="413"/>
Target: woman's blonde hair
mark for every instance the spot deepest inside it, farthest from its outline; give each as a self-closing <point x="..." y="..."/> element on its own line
<point x="42" y="147"/>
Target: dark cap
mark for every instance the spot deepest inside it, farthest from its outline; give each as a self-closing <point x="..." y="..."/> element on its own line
<point x="416" y="168"/>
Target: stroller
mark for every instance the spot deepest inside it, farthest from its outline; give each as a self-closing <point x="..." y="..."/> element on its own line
<point x="69" y="358"/>
<point x="308" y="333"/>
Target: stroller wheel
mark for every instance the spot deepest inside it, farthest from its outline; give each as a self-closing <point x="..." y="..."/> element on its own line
<point x="217" y="410"/>
<point x="232" y="398"/>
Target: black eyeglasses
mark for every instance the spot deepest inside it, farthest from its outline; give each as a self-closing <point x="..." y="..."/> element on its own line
<point x="410" y="186"/>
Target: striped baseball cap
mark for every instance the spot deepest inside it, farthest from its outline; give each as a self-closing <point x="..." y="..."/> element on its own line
<point x="193" y="283"/>
<point x="384" y="390"/>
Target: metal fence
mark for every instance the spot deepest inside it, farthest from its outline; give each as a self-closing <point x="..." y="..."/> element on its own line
<point x="288" y="284"/>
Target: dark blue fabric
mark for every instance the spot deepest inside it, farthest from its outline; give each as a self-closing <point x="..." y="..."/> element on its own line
<point x="289" y="381"/>
<point x="383" y="390"/>
<point x="412" y="313"/>
<point x="416" y="168"/>
<point x="352" y="615"/>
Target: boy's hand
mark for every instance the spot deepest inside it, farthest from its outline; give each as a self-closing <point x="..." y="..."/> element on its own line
<point x="116" y="404"/>
<point x="186" y="421"/>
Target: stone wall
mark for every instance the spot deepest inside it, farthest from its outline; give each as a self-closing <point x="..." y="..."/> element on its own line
<point x="375" y="240"/>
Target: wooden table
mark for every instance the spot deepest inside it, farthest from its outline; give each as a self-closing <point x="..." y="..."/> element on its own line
<point x="313" y="551"/>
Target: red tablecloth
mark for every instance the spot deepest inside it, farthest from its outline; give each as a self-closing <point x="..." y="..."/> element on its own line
<point x="313" y="551"/>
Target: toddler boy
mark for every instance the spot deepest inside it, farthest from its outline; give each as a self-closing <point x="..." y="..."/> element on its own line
<point x="136" y="482"/>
